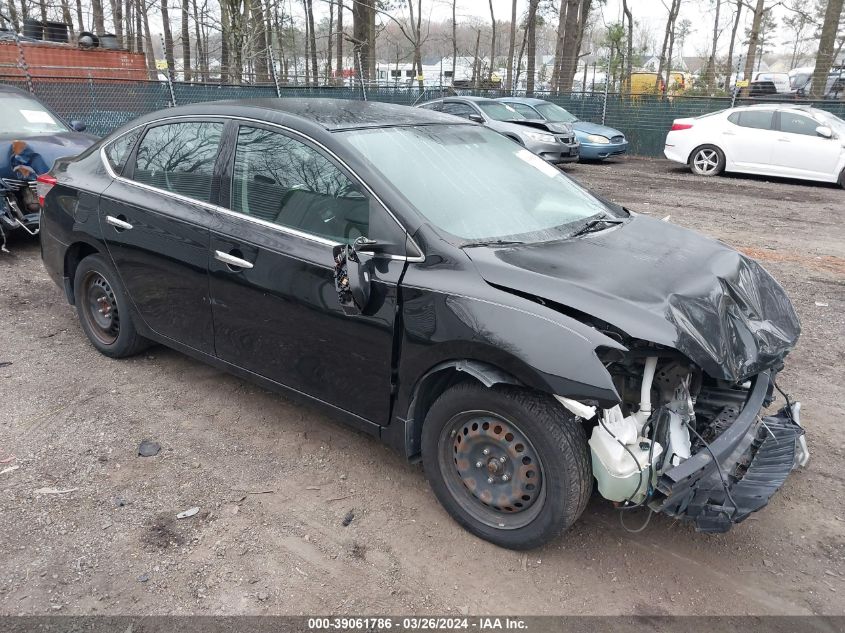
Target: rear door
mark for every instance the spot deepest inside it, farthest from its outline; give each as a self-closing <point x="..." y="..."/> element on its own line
<point x="276" y="310"/>
<point x="155" y="218"/>
<point x="749" y="139"/>
<point x="801" y="152"/>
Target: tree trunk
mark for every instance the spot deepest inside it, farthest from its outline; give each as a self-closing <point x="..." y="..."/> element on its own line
<point x="202" y="70"/>
<point x="511" y="51"/>
<point x="518" y="70"/>
<point x="13" y="17"/>
<point x="142" y="10"/>
<point x="492" y="42"/>
<point x="532" y="46"/>
<point x="99" y="21"/>
<point x="475" y="72"/>
<point x="79" y="17"/>
<point x="339" y="43"/>
<point x="312" y="40"/>
<point x="668" y="35"/>
<point x="168" y="38"/>
<point x="753" y="38"/>
<point x="117" y="18"/>
<point x="730" y="59"/>
<point x="66" y="16"/>
<point x="559" y="45"/>
<point x="329" y="44"/>
<point x="43" y="6"/>
<point x="575" y="25"/>
<point x="416" y="28"/>
<point x="455" y="40"/>
<point x="257" y="12"/>
<point x="827" y="45"/>
<point x="710" y="67"/>
<point x="225" y="36"/>
<point x="629" y="53"/>
<point x="186" y="41"/>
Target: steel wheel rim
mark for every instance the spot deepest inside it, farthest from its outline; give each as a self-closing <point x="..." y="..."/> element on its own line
<point x="517" y="492"/>
<point x="706" y="161"/>
<point x="99" y="307"/>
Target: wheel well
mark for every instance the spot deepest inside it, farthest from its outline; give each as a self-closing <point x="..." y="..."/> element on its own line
<point x="75" y="254"/>
<point x="713" y="145"/>
<point x="445" y="376"/>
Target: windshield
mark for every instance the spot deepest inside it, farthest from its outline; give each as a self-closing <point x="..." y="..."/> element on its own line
<point x="500" y="111"/>
<point x="553" y="112"/>
<point x="20" y="115"/>
<point x="799" y="80"/>
<point x="475" y="183"/>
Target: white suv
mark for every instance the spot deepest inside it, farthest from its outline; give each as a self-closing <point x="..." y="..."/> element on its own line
<point x="770" y="139"/>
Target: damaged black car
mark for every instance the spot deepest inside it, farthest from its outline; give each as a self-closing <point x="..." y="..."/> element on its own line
<point x="439" y="287"/>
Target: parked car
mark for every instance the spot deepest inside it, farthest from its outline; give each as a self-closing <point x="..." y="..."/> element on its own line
<point x="769" y="139"/>
<point x="779" y="80"/>
<point x="801" y="82"/>
<point x="555" y="142"/>
<point x="31" y="137"/>
<point x="597" y="141"/>
<point x="439" y="287"/>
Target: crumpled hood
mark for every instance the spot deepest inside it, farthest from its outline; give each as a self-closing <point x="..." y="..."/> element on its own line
<point x="661" y="283"/>
<point x="585" y="127"/>
<point x="40" y="152"/>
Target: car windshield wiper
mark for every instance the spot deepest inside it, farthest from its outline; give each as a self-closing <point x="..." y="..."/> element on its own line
<point x="492" y="243"/>
<point x="597" y="224"/>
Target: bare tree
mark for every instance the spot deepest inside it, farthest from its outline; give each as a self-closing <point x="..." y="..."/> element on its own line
<point x="730" y="58"/>
<point x="186" y="41"/>
<point x="511" y="47"/>
<point x="99" y="20"/>
<point x="492" y="41"/>
<point x="531" y="30"/>
<point x="710" y="66"/>
<point x="629" y="54"/>
<point x="168" y="38"/>
<point x="753" y="38"/>
<point x="339" y="43"/>
<point x="668" y="41"/>
<point x="312" y="40"/>
<point x="455" y="39"/>
<point x="827" y="45"/>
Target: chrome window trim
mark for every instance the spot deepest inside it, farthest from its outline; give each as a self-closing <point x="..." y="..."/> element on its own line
<point x="276" y="227"/>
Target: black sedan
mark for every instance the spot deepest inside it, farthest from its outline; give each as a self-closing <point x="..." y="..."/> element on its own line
<point x="525" y="340"/>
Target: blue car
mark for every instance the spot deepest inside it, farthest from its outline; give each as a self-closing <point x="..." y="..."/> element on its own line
<point x="32" y="137"/>
<point x="597" y="141"/>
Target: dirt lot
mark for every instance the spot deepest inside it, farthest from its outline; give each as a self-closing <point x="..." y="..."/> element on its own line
<point x="274" y="480"/>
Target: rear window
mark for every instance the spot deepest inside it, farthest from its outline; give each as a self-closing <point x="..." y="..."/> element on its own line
<point x="179" y="157"/>
<point x="117" y="152"/>
<point x="758" y="119"/>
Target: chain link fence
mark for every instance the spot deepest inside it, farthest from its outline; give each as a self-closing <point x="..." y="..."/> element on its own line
<point x="105" y="104"/>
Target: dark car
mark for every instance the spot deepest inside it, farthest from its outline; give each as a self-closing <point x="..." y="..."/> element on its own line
<point x="552" y="141"/>
<point x="445" y="290"/>
<point x="597" y="141"/>
<point x="31" y="137"/>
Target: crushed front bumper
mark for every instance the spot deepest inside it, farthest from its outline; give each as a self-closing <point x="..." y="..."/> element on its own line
<point x="755" y="455"/>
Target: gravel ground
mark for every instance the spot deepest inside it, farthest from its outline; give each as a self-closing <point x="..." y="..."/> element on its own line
<point x="274" y="481"/>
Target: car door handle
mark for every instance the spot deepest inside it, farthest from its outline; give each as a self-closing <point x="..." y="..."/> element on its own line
<point x="783" y="140"/>
<point x="117" y="223"/>
<point x="231" y="260"/>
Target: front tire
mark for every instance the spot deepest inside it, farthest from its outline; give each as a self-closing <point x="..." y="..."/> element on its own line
<point x="103" y="309"/>
<point x="707" y="160"/>
<point x="508" y="464"/>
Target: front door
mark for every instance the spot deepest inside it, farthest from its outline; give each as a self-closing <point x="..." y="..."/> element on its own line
<point x="802" y="153"/>
<point x="276" y="311"/>
<point x="156" y="219"/>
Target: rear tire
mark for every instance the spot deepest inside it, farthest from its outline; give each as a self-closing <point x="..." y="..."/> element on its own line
<point x="842" y="179"/>
<point x="707" y="160"/>
<point x="103" y="309"/>
<point x="533" y="481"/>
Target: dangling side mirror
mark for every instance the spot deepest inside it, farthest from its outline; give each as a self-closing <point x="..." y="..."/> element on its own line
<point x="353" y="266"/>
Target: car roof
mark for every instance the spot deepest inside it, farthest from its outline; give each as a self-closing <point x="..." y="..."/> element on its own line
<point x="525" y="100"/>
<point x="472" y="98"/>
<point x="329" y="114"/>
<point x="778" y="106"/>
<point x="17" y="91"/>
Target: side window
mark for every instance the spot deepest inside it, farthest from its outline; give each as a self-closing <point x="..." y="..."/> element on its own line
<point x="117" y="152"/>
<point x="759" y="119"/>
<point x="179" y="157"/>
<point x="797" y="123"/>
<point x="459" y="109"/>
<point x="284" y="181"/>
<point x="437" y="105"/>
<point x="525" y="110"/>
